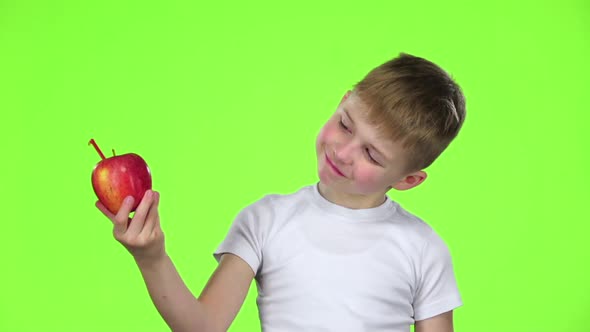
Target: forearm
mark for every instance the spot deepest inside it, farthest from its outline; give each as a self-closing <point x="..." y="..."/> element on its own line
<point x="174" y="301"/>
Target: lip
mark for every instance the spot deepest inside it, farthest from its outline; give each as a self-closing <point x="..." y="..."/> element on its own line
<point x="334" y="166"/>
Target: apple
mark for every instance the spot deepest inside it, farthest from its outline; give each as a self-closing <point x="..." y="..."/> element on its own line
<point x="117" y="177"/>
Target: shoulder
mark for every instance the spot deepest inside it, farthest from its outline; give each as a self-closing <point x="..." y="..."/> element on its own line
<point x="415" y="228"/>
<point x="272" y="206"/>
<point x="435" y="289"/>
<point x="273" y="210"/>
<point x="430" y="252"/>
<point x="419" y="239"/>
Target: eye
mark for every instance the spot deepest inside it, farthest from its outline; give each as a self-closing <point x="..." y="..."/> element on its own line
<point x="343" y="126"/>
<point x="371" y="158"/>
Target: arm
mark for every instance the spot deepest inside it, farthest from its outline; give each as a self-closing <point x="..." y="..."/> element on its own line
<point x="173" y="300"/>
<point x="218" y="304"/>
<point x="439" y="323"/>
<point x="223" y="295"/>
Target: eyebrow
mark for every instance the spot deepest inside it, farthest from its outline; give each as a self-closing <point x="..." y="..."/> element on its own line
<point x="383" y="155"/>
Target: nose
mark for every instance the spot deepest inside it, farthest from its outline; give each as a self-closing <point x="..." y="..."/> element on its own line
<point x="344" y="153"/>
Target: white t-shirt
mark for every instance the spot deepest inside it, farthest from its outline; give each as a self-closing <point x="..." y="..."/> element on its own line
<point x="323" y="267"/>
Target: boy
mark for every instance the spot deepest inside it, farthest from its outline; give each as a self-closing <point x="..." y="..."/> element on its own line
<point x="338" y="255"/>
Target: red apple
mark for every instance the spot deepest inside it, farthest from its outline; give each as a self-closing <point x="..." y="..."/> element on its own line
<point x="117" y="177"/>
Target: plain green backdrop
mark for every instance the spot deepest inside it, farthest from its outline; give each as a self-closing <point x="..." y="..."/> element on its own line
<point x="224" y="102"/>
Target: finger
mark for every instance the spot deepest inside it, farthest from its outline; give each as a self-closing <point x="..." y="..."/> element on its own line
<point x="157" y="227"/>
<point x="152" y="216"/>
<point x="122" y="216"/>
<point x="104" y="210"/>
<point x="141" y="212"/>
<point x="108" y="213"/>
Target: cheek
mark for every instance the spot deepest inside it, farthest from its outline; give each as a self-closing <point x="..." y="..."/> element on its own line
<point x="367" y="178"/>
<point x="327" y="134"/>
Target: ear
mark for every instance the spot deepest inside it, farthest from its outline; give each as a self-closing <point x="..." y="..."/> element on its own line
<point x="411" y="181"/>
<point x="345" y="96"/>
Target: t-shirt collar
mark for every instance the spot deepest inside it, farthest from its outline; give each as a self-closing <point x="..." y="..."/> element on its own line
<point x="378" y="213"/>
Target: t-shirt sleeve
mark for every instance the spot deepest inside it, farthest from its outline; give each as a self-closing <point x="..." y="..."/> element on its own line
<point x="437" y="290"/>
<point x="244" y="238"/>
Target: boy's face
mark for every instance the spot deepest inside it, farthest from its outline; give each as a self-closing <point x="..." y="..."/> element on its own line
<point x="356" y="167"/>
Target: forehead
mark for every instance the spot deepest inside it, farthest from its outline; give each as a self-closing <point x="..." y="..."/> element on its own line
<point x="358" y="109"/>
<point x="358" y="112"/>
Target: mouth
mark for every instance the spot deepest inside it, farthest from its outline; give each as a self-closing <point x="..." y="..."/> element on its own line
<point x="334" y="166"/>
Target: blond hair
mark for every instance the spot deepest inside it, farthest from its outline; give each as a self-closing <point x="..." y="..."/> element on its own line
<point x="413" y="101"/>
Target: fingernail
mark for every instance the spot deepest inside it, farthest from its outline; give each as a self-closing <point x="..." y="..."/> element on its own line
<point x="128" y="199"/>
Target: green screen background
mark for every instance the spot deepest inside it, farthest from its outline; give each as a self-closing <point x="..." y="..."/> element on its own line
<point x="224" y="102"/>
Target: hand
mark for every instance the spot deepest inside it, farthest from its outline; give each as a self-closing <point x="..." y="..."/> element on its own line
<point x="141" y="235"/>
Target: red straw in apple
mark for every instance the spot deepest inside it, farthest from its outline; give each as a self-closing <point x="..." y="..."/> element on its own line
<point x="98" y="149"/>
